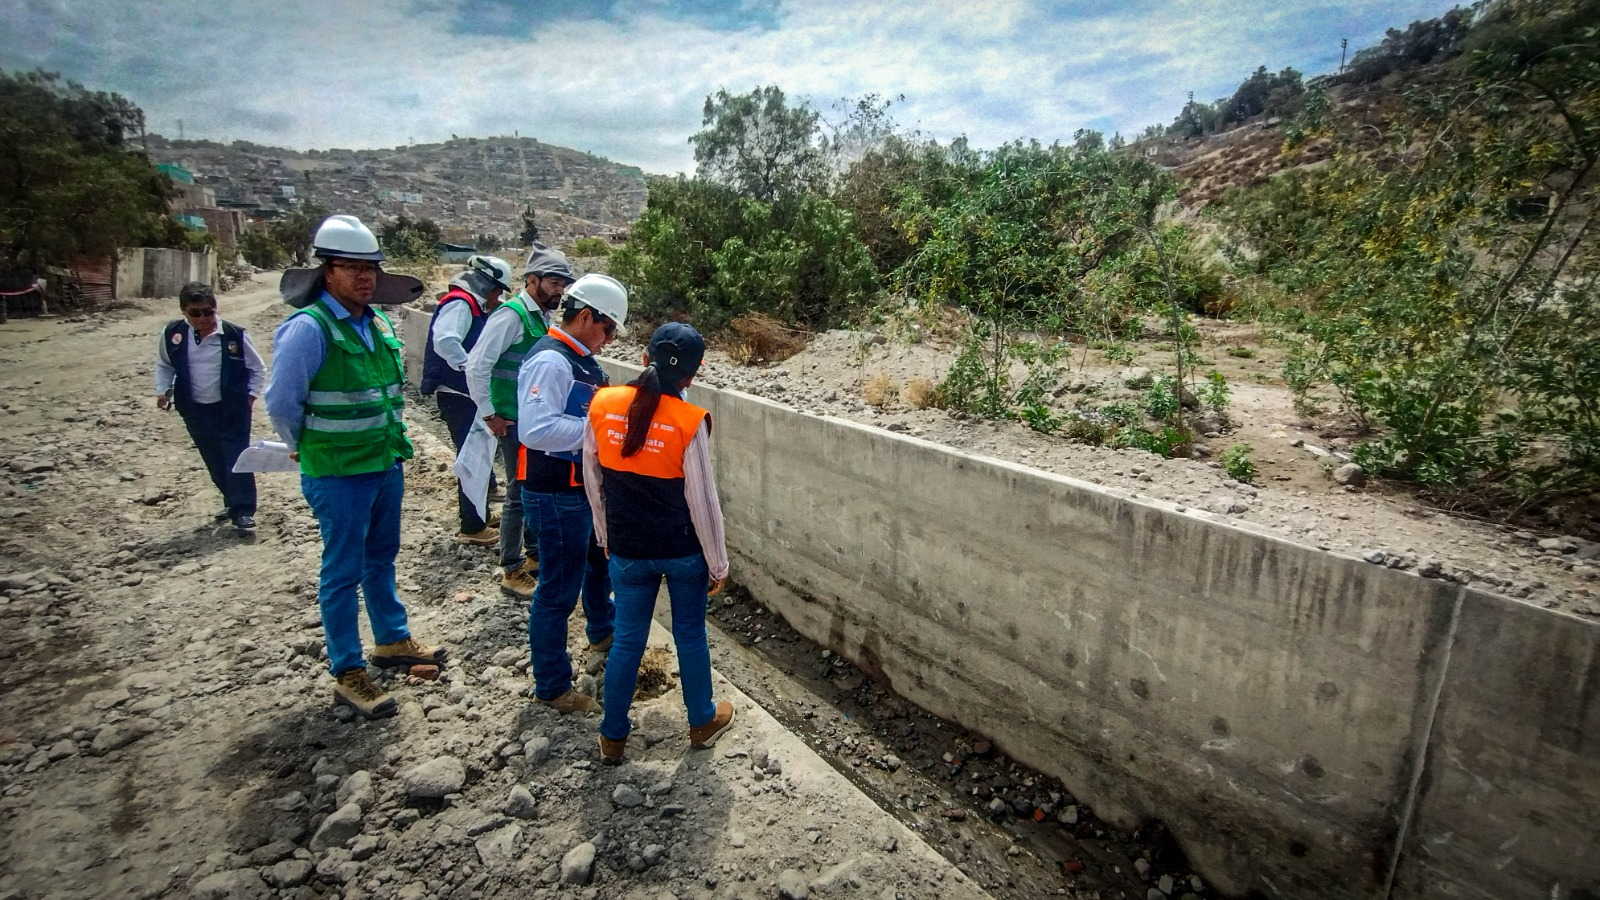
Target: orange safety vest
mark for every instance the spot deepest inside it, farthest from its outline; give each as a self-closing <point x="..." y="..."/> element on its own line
<point x="647" y="516"/>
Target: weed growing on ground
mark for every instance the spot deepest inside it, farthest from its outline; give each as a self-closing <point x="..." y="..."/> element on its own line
<point x="1236" y="462"/>
<point x="919" y="393"/>
<point x="879" y="390"/>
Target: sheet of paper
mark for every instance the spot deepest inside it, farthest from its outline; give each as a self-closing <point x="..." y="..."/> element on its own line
<point x="475" y="466"/>
<point x="266" y="456"/>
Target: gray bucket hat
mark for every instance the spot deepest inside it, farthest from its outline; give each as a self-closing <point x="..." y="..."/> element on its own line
<point x="547" y="261"/>
<point x="301" y="288"/>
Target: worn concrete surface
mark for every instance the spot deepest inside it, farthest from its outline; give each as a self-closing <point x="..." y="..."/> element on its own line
<point x="1270" y="702"/>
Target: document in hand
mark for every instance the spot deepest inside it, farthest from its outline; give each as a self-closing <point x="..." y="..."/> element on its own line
<point x="266" y="456"/>
<point x="475" y="466"/>
<point x="578" y="401"/>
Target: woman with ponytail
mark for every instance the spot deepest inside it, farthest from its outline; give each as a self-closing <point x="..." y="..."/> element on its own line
<point x="647" y="470"/>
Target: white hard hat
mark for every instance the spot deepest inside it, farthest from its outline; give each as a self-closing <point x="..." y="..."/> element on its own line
<point x="603" y="294"/>
<point x="344" y="237"/>
<point x="493" y="268"/>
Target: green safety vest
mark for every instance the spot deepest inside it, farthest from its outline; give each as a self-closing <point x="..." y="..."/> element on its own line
<point x="503" y="380"/>
<point x="353" y="424"/>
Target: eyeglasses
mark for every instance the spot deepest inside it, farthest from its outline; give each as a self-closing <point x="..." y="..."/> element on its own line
<point x="206" y="313"/>
<point x="355" y="268"/>
<point x="606" y="324"/>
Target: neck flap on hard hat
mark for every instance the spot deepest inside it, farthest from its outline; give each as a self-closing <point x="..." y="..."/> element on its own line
<point x="301" y="288"/>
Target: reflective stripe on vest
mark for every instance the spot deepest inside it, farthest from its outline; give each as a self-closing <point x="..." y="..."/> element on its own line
<point x="503" y="379"/>
<point x="354" y="423"/>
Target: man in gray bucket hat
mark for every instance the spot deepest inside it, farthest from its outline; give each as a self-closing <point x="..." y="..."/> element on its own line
<point x="507" y="338"/>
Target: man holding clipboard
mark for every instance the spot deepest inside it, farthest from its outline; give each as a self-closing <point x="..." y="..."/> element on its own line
<point x="554" y="387"/>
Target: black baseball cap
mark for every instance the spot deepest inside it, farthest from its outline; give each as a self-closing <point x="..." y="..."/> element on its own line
<point x="676" y="350"/>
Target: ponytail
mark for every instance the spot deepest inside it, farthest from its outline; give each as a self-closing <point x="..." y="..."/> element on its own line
<point x="646" y="397"/>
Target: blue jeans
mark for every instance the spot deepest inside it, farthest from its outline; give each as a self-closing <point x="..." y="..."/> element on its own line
<point x="360" y="520"/>
<point x="637" y="582"/>
<point x="512" y="517"/>
<point x="569" y="562"/>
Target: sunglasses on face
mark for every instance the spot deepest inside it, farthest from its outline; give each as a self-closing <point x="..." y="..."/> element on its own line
<point x="206" y="313"/>
<point x="355" y="268"/>
<point x="607" y="325"/>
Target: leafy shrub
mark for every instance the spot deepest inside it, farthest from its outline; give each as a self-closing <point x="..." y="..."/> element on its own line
<point x="1237" y="463"/>
<point x="1160" y="400"/>
<point x="591" y="246"/>
<point x="1241" y="352"/>
<point x="1215" y="392"/>
<point x="703" y="252"/>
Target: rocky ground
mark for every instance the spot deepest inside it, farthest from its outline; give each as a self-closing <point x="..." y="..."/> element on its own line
<point x="1298" y="494"/>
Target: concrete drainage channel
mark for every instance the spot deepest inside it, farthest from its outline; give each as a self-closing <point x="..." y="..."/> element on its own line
<point x="1015" y="832"/>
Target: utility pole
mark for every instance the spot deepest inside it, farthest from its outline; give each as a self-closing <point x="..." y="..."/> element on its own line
<point x="1343" y="43"/>
<point x="180" y="129"/>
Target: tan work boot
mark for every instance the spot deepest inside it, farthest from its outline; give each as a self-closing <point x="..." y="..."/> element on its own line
<point x="355" y="690"/>
<point x="573" y="701"/>
<point x="493" y="520"/>
<point x="603" y="646"/>
<point x="611" y="751"/>
<point x="707" y="734"/>
<point x="520" y="582"/>
<point x="482" y="538"/>
<point x="408" y="652"/>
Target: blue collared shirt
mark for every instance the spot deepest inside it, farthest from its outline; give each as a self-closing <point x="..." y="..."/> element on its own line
<point x="298" y="351"/>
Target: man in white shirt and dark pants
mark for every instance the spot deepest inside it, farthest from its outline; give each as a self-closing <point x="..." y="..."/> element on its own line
<point x="210" y="371"/>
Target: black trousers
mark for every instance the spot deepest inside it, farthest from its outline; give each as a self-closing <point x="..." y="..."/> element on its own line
<point x="458" y="412"/>
<point x="221" y="434"/>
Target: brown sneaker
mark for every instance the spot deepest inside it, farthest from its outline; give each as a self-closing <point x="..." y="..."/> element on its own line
<point x="573" y="701"/>
<point x="481" y="538"/>
<point x="407" y="653"/>
<point x="707" y="734"/>
<point x="355" y="690"/>
<point x="603" y="646"/>
<point x="520" y="582"/>
<point x="611" y="751"/>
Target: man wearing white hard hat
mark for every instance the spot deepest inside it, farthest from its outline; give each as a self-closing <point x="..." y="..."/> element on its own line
<point x="457" y="322"/>
<point x="336" y="399"/>
<point x="554" y="387"/>
<point x="492" y="369"/>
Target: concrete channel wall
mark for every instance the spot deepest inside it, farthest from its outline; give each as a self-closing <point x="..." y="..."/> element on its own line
<point x="1307" y="725"/>
<point x="159" y="272"/>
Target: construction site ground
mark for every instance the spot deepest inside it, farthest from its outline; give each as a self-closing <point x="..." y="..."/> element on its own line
<point x="166" y="726"/>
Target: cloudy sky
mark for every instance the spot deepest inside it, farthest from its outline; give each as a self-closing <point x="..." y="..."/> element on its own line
<point x="628" y="79"/>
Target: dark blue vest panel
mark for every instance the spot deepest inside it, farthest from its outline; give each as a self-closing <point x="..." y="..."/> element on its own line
<point x="436" y="373"/>
<point x="551" y="474"/>
<point x="235" y="376"/>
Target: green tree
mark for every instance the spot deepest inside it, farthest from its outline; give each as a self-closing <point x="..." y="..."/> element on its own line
<point x="759" y="145"/>
<point x="259" y="249"/>
<point x="530" y="225"/>
<point x="410" y="239"/>
<point x="487" y="243"/>
<point x="591" y="246"/>
<point x="296" y="230"/>
<point x="69" y="183"/>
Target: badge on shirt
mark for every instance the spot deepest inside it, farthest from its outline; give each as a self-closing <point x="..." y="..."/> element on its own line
<point x="233" y="348"/>
<point x="177" y="338"/>
<point x="382" y="326"/>
<point x="533" y="392"/>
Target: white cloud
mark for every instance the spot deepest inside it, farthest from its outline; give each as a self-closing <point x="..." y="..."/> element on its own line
<point x="339" y="73"/>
